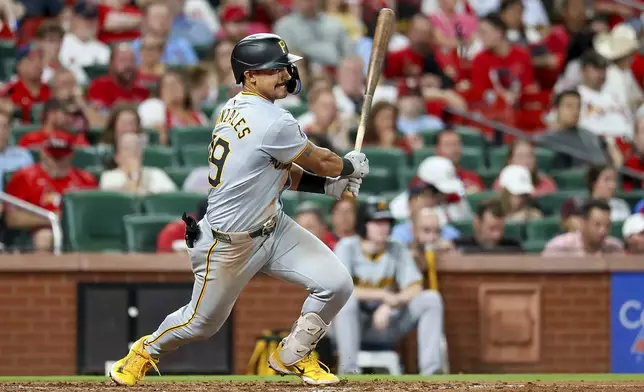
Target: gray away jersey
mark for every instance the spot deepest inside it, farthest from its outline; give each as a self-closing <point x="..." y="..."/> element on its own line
<point x="394" y="266"/>
<point x="252" y="146"/>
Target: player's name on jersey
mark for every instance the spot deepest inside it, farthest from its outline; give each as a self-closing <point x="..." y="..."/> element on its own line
<point x="232" y="118"/>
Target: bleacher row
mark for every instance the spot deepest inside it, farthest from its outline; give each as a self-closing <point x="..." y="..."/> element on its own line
<point x="107" y="221"/>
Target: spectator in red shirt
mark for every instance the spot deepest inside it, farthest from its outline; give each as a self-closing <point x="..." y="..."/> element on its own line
<point x="55" y="117"/>
<point x="172" y="236"/>
<point x="11" y="11"/>
<point x="118" y="21"/>
<point x="310" y="216"/>
<point x="418" y="58"/>
<point x="635" y="161"/>
<point x="120" y="85"/>
<point x="522" y="153"/>
<point x="502" y="70"/>
<point x="28" y="88"/>
<point x="43" y="184"/>
<point x="236" y="24"/>
<point x="448" y="145"/>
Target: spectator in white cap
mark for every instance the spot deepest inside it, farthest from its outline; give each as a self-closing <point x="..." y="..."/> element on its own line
<point x="633" y="233"/>
<point x="516" y="188"/>
<point x="440" y="173"/>
<point x="407" y="205"/>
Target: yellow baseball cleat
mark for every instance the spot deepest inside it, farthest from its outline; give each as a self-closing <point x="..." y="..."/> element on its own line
<point x="309" y="369"/>
<point x="131" y="369"/>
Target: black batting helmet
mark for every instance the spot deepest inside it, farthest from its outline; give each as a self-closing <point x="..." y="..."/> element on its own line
<point x="265" y="51"/>
<point x="372" y="209"/>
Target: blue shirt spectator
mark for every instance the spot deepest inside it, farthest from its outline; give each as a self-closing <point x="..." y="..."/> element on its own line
<point x="403" y="233"/>
<point x="193" y="31"/>
<point x="177" y="51"/>
<point x="639" y="207"/>
<point x="12" y="158"/>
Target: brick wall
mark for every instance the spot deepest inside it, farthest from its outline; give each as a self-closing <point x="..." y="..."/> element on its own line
<point x="38" y="334"/>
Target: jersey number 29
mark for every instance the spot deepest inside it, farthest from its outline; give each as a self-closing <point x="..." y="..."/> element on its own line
<point x="218" y="151"/>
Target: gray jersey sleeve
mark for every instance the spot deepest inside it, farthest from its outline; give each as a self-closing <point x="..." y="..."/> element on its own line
<point x="284" y="140"/>
<point x="407" y="272"/>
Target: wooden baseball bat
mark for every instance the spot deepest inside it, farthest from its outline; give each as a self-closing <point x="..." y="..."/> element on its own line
<point x="384" y="29"/>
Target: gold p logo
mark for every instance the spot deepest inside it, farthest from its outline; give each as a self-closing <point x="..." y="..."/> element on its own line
<point x="282" y="45"/>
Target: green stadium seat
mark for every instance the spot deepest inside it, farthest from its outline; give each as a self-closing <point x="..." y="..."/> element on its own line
<point x="465" y="227"/>
<point x="194" y="156"/>
<point x="153" y="136"/>
<point x="405" y="175"/>
<point x="379" y="181"/>
<point x="299" y="110"/>
<point x="209" y="109"/>
<point x="21" y="130"/>
<point x="36" y="113"/>
<point x="94" y="71"/>
<point x="7" y="49"/>
<point x="171" y="203"/>
<point x="96" y="171"/>
<point x="476" y="198"/>
<point x="534" y="246"/>
<point x="86" y="157"/>
<point x="420" y="155"/>
<point x="616" y="229"/>
<point x="472" y="159"/>
<point x="570" y="179"/>
<point x="323" y="201"/>
<point x="497" y="157"/>
<point x="429" y="136"/>
<point x="94" y="135"/>
<point x="178" y="174"/>
<point x="93" y="219"/>
<point x="190" y="136"/>
<point x="514" y="230"/>
<point x="158" y="156"/>
<point x="470" y="136"/>
<point x="543" y="229"/>
<point x="551" y="203"/>
<point x="204" y="52"/>
<point x="632" y="198"/>
<point x="545" y="159"/>
<point x="289" y="203"/>
<point x="388" y="158"/>
<point x="7" y="67"/>
<point x="6" y="176"/>
<point x="141" y="231"/>
<point x="488" y="176"/>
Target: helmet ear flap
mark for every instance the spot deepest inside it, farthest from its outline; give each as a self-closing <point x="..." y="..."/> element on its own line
<point x="294" y="85"/>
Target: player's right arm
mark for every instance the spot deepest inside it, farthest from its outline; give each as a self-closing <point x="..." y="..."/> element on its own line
<point x="323" y="162"/>
<point x="285" y="141"/>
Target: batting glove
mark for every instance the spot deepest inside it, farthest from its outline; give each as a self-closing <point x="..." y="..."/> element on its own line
<point x="335" y="186"/>
<point x="360" y="164"/>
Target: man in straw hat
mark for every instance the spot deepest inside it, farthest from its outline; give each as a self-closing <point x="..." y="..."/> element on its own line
<point x="618" y="46"/>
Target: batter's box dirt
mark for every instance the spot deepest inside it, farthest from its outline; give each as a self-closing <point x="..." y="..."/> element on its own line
<point x="353" y="386"/>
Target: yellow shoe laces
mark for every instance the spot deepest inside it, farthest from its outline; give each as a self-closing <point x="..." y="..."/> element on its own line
<point x="148" y="362"/>
<point x="313" y="365"/>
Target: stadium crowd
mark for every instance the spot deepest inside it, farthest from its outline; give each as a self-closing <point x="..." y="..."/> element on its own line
<point x="107" y="107"/>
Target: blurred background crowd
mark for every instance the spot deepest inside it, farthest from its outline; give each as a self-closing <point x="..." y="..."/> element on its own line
<point x="497" y="126"/>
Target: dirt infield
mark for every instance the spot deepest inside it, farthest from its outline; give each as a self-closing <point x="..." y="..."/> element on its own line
<point x="366" y="386"/>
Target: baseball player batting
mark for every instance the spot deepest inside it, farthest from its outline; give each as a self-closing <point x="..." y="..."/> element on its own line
<point x="257" y="151"/>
